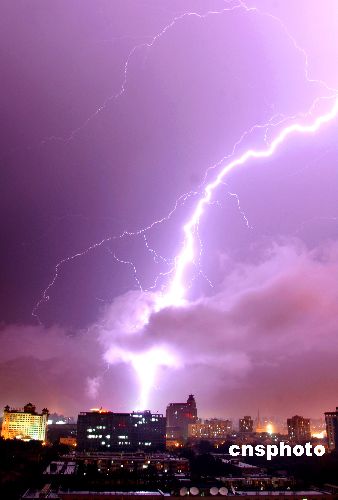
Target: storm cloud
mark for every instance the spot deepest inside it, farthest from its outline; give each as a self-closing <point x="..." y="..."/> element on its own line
<point x="266" y="324"/>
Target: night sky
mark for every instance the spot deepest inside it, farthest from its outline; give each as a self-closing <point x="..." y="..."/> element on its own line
<point x="115" y="115"/>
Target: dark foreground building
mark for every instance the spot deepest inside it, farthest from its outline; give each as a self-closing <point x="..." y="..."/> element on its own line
<point x="245" y="424"/>
<point x="331" y="420"/>
<point x="179" y="416"/>
<point x="299" y="429"/>
<point x="48" y="492"/>
<point x="100" y="430"/>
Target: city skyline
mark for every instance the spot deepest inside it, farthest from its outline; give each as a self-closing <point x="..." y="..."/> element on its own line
<point x="260" y="422"/>
<point x="170" y="206"/>
<point x="101" y="429"/>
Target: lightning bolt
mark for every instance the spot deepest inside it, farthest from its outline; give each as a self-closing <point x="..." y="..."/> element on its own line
<point x="177" y="289"/>
<point x="146" y="363"/>
<point x="229" y="6"/>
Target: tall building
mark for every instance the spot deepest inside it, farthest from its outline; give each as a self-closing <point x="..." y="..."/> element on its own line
<point x="246" y="424"/>
<point x="331" y="420"/>
<point x="101" y="430"/>
<point x="299" y="429"/>
<point x="213" y="429"/>
<point x="179" y="416"/>
<point x="24" y="424"/>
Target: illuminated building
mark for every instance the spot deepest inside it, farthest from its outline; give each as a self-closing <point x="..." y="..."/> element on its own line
<point x="100" y="430"/>
<point x="24" y="424"/>
<point x="246" y="424"/>
<point x="299" y="429"/>
<point x="331" y="420"/>
<point x="68" y="441"/>
<point x="179" y="416"/>
<point x="212" y="429"/>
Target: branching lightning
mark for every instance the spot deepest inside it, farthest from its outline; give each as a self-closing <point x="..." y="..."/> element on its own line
<point x="145" y="45"/>
<point x="128" y="263"/>
<point x="140" y="232"/>
<point x="241" y="5"/>
<point x="177" y="289"/>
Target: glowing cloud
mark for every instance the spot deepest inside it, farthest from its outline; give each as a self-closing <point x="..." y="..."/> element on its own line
<point x="146" y="365"/>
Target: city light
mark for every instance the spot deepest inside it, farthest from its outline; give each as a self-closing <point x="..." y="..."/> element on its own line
<point x="319" y="435"/>
<point x="269" y="428"/>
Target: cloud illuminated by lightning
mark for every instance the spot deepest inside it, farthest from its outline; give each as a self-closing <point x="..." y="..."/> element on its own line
<point x="145" y="364"/>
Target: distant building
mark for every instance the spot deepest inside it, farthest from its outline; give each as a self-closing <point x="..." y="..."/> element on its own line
<point x="259" y="426"/>
<point x="100" y="430"/>
<point x="179" y="416"/>
<point x="57" y="431"/>
<point x="68" y="441"/>
<point x="212" y="429"/>
<point x="299" y="429"/>
<point x="246" y="424"/>
<point x="331" y="420"/>
<point x="56" y="418"/>
<point x="24" y="424"/>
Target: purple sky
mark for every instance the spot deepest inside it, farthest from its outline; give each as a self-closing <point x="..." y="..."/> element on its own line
<point x="92" y="147"/>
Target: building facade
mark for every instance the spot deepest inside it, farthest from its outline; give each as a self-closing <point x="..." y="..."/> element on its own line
<point x="246" y="424"/>
<point x="137" y="461"/>
<point x="179" y="416"/>
<point x="299" y="429"/>
<point x="100" y="430"/>
<point x="24" y="424"/>
<point x="331" y="420"/>
<point x="213" y="429"/>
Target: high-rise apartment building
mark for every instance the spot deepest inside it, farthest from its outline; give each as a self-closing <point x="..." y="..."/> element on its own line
<point x="179" y="416"/>
<point x="299" y="428"/>
<point x="331" y="420"/>
<point x="246" y="424"/>
<point x="24" y="424"/>
<point x="100" y="430"/>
